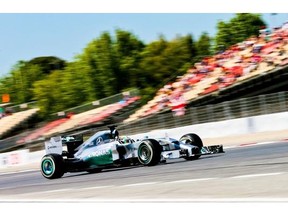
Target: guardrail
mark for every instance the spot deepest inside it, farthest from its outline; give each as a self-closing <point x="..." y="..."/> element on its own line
<point x="23" y="106"/>
<point x="95" y="104"/>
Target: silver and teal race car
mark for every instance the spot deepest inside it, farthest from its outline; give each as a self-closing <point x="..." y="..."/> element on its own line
<point x="106" y="149"/>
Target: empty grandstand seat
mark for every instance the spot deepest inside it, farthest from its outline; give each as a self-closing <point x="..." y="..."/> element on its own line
<point x="39" y="132"/>
<point x="74" y="121"/>
<point x="8" y="123"/>
<point x="102" y="115"/>
<point x="284" y="62"/>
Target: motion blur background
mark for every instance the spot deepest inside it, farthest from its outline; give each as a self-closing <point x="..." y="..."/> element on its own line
<point x="144" y="72"/>
<point x="236" y="68"/>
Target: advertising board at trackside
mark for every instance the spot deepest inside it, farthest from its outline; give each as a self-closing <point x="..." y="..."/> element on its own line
<point x="14" y="158"/>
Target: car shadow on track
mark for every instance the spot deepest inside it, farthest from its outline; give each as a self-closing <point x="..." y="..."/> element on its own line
<point x="116" y="169"/>
<point x="107" y="170"/>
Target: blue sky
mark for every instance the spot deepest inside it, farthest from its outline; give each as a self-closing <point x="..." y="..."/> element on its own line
<point x="24" y="36"/>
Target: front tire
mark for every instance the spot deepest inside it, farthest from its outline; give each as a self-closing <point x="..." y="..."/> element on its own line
<point x="195" y="140"/>
<point x="52" y="166"/>
<point x="149" y="152"/>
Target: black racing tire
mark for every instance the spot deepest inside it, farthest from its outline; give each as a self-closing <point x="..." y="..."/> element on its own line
<point x="195" y="140"/>
<point x="52" y="166"/>
<point x="149" y="152"/>
<point x="96" y="170"/>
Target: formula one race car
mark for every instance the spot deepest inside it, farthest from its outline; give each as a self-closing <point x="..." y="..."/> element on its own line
<point x="106" y="149"/>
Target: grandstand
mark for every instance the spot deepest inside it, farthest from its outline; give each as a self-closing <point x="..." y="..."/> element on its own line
<point x="225" y="76"/>
<point x="37" y="134"/>
<point x="13" y="120"/>
<point x="90" y="118"/>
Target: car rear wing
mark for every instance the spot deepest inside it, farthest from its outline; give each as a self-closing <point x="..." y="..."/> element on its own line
<point x="54" y="145"/>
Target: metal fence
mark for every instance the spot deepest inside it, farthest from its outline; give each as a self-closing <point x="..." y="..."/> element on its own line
<point x="23" y="106"/>
<point x="98" y="103"/>
<point x="81" y="108"/>
<point x="245" y="107"/>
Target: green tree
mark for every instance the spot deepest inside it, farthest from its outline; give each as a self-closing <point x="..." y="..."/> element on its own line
<point x="192" y="46"/>
<point x="6" y="86"/>
<point x="48" y="64"/>
<point x="162" y="61"/>
<point x="128" y="49"/>
<point x="79" y="87"/>
<point x="152" y="65"/>
<point x="48" y="93"/>
<point x="19" y="82"/>
<point x="203" y="46"/>
<point x="239" y="28"/>
<point x="106" y="63"/>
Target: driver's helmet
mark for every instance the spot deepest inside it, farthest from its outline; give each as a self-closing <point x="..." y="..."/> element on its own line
<point x="114" y="134"/>
<point x="125" y="139"/>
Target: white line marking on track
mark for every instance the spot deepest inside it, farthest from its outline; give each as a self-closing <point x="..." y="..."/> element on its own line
<point x="59" y="190"/>
<point x="97" y="187"/>
<point x="49" y="191"/>
<point x="257" y="175"/>
<point x="139" y="184"/>
<point x="21" y="171"/>
<point x="189" y="180"/>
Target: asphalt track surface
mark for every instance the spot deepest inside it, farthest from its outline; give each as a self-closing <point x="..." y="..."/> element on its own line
<point x="249" y="173"/>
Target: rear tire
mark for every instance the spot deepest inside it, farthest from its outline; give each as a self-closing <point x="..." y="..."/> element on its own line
<point x="195" y="140"/>
<point x="52" y="166"/>
<point x="149" y="152"/>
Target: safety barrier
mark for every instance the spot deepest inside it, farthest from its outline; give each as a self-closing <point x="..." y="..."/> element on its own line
<point x="14" y="158"/>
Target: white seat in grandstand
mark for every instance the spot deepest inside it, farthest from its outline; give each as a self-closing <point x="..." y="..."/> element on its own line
<point x="284" y="56"/>
<point x="246" y="52"/>
<point x="286" y="47"/>
<point x="229" y="62"/>
<point x="247" y="76"/>
<point x="264" y="67"/>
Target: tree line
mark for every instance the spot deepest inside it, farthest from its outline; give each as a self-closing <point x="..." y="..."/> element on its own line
<point x="110" y="64"/>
